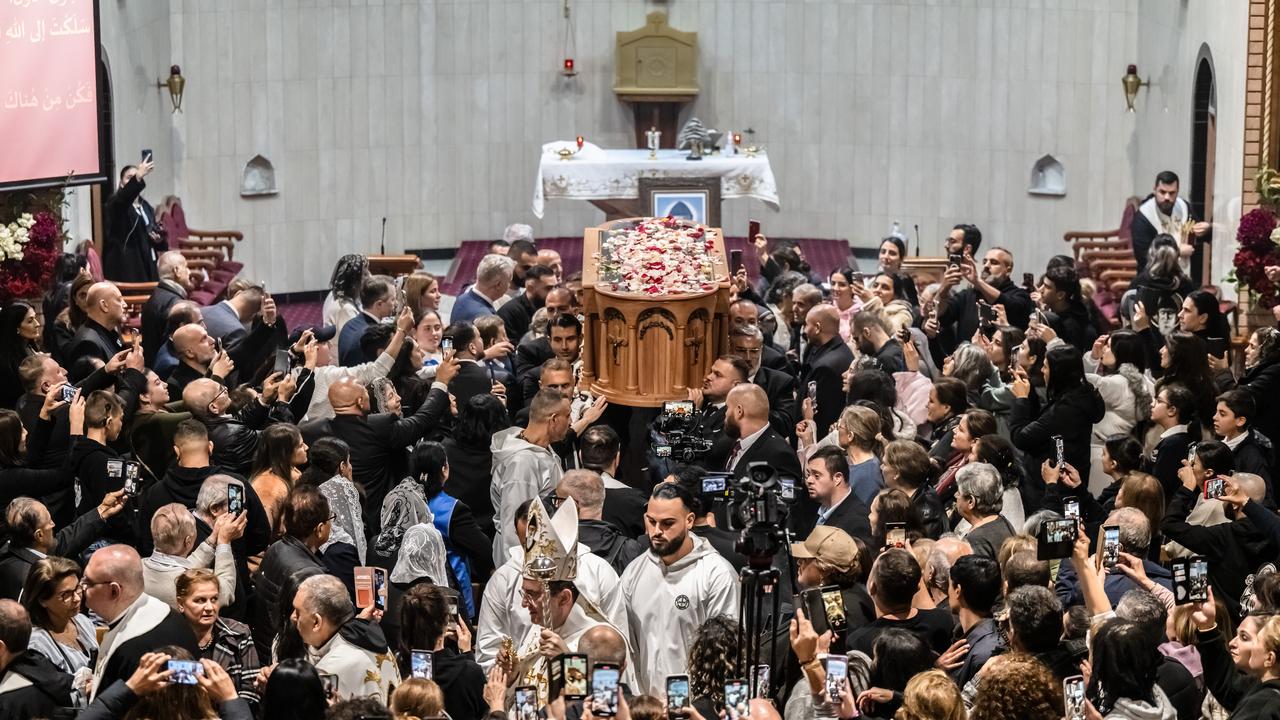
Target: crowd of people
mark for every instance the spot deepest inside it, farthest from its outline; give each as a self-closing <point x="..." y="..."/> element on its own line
<point x="986" y="499"/>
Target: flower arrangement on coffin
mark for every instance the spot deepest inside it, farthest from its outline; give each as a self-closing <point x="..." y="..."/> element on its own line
<point x="658" y="257"/>
<point x="1258" y="244"/>
<point x="29" y="246"/>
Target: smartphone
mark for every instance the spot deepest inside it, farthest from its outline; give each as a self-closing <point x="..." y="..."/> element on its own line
<point x="904" y="336"/>
<point x="833" y="606"/>
<point x="131" y="469"/>
<point x="1191" y="453"/>
<point x="677" y="694"/>
<point x="837" y="667"/>
<point x="420" y="664"/>
<point x="762" y="681"/>
<point x="1215" y="488"/>
<point x="737" y="696"/>
<point x="364" y="586"/>
<point x="735" y="261"/>
<point x="1056" y="539"/>
<point x="184" y="672"/>
<point x="1216" y="346"/>
<point x="753" y="229"/>
<point x="380" y="589"/>
<point x="217" y="345"/>
<point x="573" y="671"/>
<point x="1059" y="452"/>
<point x="1071" y="508"/>
<point x="235" y="499"/>
<point x="986" y="313"/>
<point x="453" y="610"/>
<point x="68" y="392"/>
<point x="812" y="389"/>
<point x="446" y="345"/>
<point x="1110" y="546"/>
<point x="526" y="702"/>
<point x="604" y="689"/>
<point x="282" y="362"/>
<point x="1029" y="281"/>
<point x="1198" y="579"/>
<point x="329" y="682"/>
<point x="955" y="259"/>
<point x="1073" y="694"/>
<point x="895" y="535"/>
<point x="145" y="155"/>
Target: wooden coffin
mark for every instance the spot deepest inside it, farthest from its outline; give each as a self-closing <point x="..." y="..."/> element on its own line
<point x="642" y="350"/>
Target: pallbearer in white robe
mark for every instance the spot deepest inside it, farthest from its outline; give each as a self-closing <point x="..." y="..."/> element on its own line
<point x="560" y="613"/>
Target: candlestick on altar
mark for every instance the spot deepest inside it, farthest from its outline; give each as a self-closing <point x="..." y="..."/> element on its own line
<point x="654" y="136"/>
<point x="580" y="141"/>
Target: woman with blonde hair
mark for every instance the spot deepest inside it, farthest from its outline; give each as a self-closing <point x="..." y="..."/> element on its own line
<point x="416" y="699"/>
<point x="931" y="695"/>
<point x="858" y="432"/>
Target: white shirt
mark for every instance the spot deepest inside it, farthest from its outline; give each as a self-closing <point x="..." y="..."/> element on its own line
<point x="745" y="444"/>
<point x="1173" y="431"/>
<point x="1234" y="443"/>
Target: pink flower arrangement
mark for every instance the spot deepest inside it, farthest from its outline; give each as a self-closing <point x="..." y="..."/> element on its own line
<point x="658" y="257"/>
<point x="1259" y="246"/>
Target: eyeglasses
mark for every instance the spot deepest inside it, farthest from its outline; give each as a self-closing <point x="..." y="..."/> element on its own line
<point x="530" y="596"/>
<point x="67" y="596"/>
<point x="86" y="584"/>
<point x="555" y="500"/>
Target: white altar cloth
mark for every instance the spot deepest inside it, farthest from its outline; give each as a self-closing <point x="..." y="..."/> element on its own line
<point x="598" y="174"/>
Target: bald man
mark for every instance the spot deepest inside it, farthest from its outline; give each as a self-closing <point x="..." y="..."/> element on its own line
<point x="198" y="357"/>
<point x="113" y="588"/>
<point x="99" y="337"/>
<point x="235" y="437"/>
<point x="175" y="283"/>
<point x="746" y="421"/>
<point x="823" y="364"/>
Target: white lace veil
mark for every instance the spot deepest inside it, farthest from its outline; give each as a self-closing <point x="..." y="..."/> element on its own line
<point x="422" y="554"/>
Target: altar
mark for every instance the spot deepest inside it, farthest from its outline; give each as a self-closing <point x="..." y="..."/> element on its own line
<point x="611" y="178"/>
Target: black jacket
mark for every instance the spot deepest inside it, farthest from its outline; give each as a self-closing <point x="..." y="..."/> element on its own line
<point x="128" y="252"/>
<point x="1243" y="695"/>
<point x="724" y="541"/>
<point x="49" y="688"/>
<point x="235" y="437"/>
<point x="472" y="379"/>
<point x="851" y="515"/>
<point x="1166" y="459"/>
<point x="1256" y="454"/>
<point x="1263" y="383"/>
<point x="825" y="365"/>
<point x="608" y="542"/>
<point x="155" y="316"/>
<point x="1074" y="326"/>
<point x="530" y="356"/>
<point x="1236" y="548"/>
<point x="69" y="542"/>
<point x="378" y="448"/>
<point x="92" y="341"/>
<point x="932" y="512"/>
<point x="517" y="314"/>
<point x="960" y="320"/>
<point x="285" y="558"/>
<point x="90" y="460"/>
<point x="462" y="681"/>
<point x="1180" y="687"/>
<point x="772" y="449"/>
<point x="624" y="509"/>
<point x="470" y="474"/>
<point x="1072" y="416"/>
<point x="781" y="391"/>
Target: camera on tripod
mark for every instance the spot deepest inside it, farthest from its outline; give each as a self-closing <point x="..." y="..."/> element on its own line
<point x="681" y="430"/>
<point x="758" y="506"/>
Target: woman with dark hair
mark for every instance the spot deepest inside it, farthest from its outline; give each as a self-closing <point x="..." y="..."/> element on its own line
<point x="330" y="471"/>
<point x="470" y="457"/>
<point x="1184" y="360"/>
<point x="133" y="239"/>
<point x="713" y="659"/>
<point x="1122" y="681"/>
<point x="306" y="523"/>
<point x="887" y="296"/>
<point x="51" y="596"/>
<point x="897" y="656"/>
<point x="288" y="642"/>
<point x="1262" y="379"/>
<point x="905" y="466"/>
<point x="343" y="301"/>
<point x="894" y="506"/>
<point x="1121" y="460"/>
<point x="845" y="298"/>
<point x="19" y="339"/>
<point x="277" y="465"/>
<point x="948" y="399"/>
<point x="1002" y="349"/>
<point x="996" y="451"/>
<point x="974" y="423"/>
<point x="892" y="250"/>
<point x="21" y="454"/>
<point x="294" y="692"/>
<point x="1161" y="286"/>
<point x="1073" y="406"/>
<point x="1116" y="368"/>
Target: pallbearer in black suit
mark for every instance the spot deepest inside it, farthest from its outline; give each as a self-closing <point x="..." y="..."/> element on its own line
<point x="746" y="424"/>
<point x="825" y="360"/>
<point x="747" y="342"/>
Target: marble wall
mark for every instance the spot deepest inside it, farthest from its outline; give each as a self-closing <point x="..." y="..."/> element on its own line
<point x="431" y="112"/>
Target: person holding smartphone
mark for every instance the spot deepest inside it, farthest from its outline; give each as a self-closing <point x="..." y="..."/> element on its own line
<point x="133" y="238"/>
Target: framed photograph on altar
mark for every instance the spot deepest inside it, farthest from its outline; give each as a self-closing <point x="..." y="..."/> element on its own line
<point x="696" y="199"/>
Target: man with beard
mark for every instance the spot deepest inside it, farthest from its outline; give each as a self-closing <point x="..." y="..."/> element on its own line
<point x="824" y="364"/>
<point x="958" y="315"/>
<point x="518" y="312"/>
<point x="872" y="336"/>
<point x="1164" y="212"/>
<point x="709" y="404"/>
<point x="673" y="589"/>
<point x="746" y="422"/>
<point x="747" y="342"/>
<point x="744" y="313"/>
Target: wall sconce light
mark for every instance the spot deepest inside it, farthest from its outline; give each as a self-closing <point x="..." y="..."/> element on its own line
<point x="1132" y="83"/>
<point x="176" y="84"/>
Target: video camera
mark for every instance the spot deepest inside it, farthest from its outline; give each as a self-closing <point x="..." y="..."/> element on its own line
<point x="680" y="429"/>
<point x="757" y="505"/>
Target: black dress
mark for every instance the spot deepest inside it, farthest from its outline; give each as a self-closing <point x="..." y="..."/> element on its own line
<point x="128" y="255"/>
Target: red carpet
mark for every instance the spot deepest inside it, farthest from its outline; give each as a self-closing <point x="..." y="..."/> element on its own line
<point x="824" y="255"/>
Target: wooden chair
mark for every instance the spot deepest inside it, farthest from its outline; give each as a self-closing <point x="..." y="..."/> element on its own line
<point x="135" y="296"/>
<point x="1107" y="255"/>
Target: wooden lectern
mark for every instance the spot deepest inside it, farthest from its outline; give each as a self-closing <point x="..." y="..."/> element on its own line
<point x="643" y="350"/>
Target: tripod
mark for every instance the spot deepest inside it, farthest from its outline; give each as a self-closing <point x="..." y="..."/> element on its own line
<point x="757" y="584"/>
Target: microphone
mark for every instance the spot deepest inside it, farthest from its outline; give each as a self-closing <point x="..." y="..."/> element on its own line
<point x="917" y="227"/>
<point x="382" y="244"/>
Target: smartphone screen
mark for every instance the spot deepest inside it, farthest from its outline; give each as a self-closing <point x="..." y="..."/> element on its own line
<point x="1110" y="546"/>
<point x="677" y="692"/>
<point x="420" y="664"/>
<point x="68" y="393"/>
<point x="737" y="696"/>
<point x="837" y="673"/>
<point x="575" y="676"/>
<point x="1073" y="693"/>
<point x="1028" y="280"/>
<point x="131" y="468"/>
<point x="235" y="499"/>
<point x="895" y="535"/>
<point x="1071" y="508"/>
<point x="282" y="362"/>
<point x="735" y="261"/>
<point x="762" y="681"/>
<point x="1215" y="488"/>
<point x="184" y="672"/>
<point x="380" y="589"/>
<point x="1198" y="580"/>
<point x="788" y="488"/>
<point x="753" y="229"/>
<point x="446" y="345"/>
<point x="526" y="703"/>
<point x="833" y="604"/>
<point x="1059" y="451"/>
<point x="330" y="683"/>
<point x="604" y="690"/>
<point x="145" y="155"/>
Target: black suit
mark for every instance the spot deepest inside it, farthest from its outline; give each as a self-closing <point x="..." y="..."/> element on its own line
<point x="472" y="379"/>
<point x="781" y="391"/>
<point x="530" y="356"/>
<point x="772" y="449"/>
<point x="852" y="516"/>
<point x="70" y="541"/>
<point x="155" y="316"/>
<point x="378" y="443"/>
<point x="517" y="315"/>
<point x="91" y="341"/>
<point x="1167" y="458"/>
<point x="773" y="359"/>
<point x="624" y="509"/>
<point x="825" y="365"/>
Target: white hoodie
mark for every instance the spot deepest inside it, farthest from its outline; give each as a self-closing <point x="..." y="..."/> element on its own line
<point x="521" y="470"/>
<point x="667" y="604"/>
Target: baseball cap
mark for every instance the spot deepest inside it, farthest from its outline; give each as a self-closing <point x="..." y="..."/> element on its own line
<point x="830" y="545"/>
<point x="323" y="333"/>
